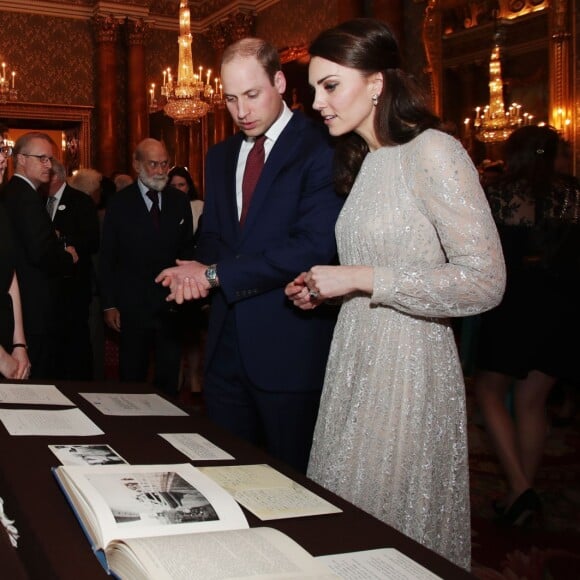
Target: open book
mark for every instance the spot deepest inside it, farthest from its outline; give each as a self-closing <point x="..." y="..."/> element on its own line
<point x="172" y="522"/>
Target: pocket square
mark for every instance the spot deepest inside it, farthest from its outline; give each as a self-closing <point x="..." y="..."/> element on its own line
<point x="181" y="222"/>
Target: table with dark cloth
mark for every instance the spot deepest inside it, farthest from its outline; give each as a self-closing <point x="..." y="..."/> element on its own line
<point x="52" y="544"/>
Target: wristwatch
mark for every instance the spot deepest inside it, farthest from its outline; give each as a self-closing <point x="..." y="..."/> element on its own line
<point x="211" y="276"/>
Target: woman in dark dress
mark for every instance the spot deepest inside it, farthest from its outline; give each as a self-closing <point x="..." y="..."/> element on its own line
<point x="526" y="340"/>
<point x="14" y="363"/>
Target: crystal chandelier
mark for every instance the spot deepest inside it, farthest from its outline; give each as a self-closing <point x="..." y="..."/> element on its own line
<point x="493" y="123"/>
<point x="7" y="86"/>
<point x="192" y="96"/>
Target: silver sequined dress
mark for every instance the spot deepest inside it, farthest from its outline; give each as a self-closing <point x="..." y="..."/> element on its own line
<point x="391" y="433"/>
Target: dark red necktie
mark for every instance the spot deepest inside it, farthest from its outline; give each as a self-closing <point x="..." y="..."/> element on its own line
<point x="254" y="165"/>
<point x="154" y="212"/>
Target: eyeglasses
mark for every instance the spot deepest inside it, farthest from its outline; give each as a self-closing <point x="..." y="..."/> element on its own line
<point x="156" y="164"/>
<point x="6" y="147"/>
<point x="44" y="159"/>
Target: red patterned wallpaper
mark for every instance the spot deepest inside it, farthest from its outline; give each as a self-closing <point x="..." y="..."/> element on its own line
<point x="53" y="58"/>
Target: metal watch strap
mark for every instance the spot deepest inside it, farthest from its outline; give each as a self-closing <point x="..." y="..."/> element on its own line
<point x="211" y="276"/>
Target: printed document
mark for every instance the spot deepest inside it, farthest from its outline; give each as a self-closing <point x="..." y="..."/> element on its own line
<point x="195" y="446"/>
<point x="376" y="565"/>
<point x="132" y="404"/>
<point x="70" y="422"/>
<point x="25" y="394"/>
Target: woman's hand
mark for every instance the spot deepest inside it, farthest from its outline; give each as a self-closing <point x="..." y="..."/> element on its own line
<point x="325" y="282"/>
<point x="8" y="365"/>
<point x="21" y="356"/>
<point x="300" y="295"/>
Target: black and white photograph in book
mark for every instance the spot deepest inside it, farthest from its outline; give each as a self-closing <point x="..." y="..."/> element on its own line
<point x="99" y="454"/>
<point x="143" y="499"/>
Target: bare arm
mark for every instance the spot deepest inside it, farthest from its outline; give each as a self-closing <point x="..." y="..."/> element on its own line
<point x="19" y="353"/>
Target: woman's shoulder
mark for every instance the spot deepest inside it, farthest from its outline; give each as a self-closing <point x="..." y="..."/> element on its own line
<point x="433" y="147"/>
<point x="433" y="140"/>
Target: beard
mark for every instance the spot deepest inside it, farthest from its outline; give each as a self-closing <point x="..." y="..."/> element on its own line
<point x="155" y="182"/>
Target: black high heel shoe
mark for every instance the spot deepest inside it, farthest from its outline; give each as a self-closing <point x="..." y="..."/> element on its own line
<point x="526" y="507"/>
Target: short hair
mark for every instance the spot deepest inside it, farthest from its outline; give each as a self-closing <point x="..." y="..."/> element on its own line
<point x="25" y="140"/>
<point x="142" y="145"/>
<point x="264" y="52"/>
<point x="59" y="169"/>
<point x="122" y="180"/>
<point x="86" y="180"/>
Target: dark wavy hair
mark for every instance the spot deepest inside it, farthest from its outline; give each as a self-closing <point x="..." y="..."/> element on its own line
<point x="183" y="172"/>
<point x="368" y="45"/>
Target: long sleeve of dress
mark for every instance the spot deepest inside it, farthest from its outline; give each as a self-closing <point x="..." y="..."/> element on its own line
<point x="456" y="266"/>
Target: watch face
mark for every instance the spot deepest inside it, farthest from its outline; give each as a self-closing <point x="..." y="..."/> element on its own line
<point x="211" y="275"/>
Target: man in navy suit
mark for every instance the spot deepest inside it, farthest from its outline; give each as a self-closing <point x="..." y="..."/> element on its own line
<point x="147" y="226"/>
<point x="42" y="260"/>
<point x="74" y="217"/>
<point x="264" y="361"/>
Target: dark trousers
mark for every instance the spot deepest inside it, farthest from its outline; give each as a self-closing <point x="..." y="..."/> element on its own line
<point x="138" y="345"/>
<point x="74" y="359"/>
<point x="281" y="421"/>
<point x="42" y="355"/>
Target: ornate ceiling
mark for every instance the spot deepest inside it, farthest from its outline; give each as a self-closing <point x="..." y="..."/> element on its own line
<point x="163" y="12"/>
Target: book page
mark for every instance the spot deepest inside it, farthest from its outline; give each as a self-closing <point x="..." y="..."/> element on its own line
<point x="267" y="493"/>
<point x="257" y="553"/>
<point x="25" y="394"/>
<point x="90" y="454"/>
<point x="130" y="501"/>
<point x="70" y="422"/>
<point x="126" y="404"/>
<point x="195" y="446"/>
<point x="376" y="565"/>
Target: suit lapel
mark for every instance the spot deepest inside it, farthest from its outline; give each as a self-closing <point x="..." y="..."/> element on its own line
<point x="232" y="154"/>
<point x="283" y="150"/>
<point x="60" y="215"/>
<point x="167" y="211"/>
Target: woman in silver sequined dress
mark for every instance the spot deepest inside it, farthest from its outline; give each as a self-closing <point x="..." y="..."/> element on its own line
<point x="417" y="244"/>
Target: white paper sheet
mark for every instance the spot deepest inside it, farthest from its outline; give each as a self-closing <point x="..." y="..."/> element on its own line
<point x="267" y="493"/>
<point x="195" y="446"/>
<point x="381" y="564"/>
<point x="70" y="422"/>
<point x="132" y="404"/>
<point x="25" y="394"/>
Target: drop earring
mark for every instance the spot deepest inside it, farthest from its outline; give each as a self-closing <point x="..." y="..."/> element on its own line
<point x="375" y="100"/>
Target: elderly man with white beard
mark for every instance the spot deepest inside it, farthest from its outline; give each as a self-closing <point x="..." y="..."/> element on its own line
<point x="146" y="228"/>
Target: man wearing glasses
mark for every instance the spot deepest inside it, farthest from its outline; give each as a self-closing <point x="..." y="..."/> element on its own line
<point x="42" y="260"/>
<point x="147" y="226"/>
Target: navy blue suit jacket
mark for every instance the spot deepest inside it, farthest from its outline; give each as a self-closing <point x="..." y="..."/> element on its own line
<point x="133" y="252"/>
<point x="288" y="229"/>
